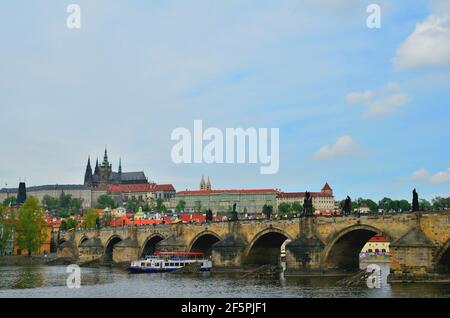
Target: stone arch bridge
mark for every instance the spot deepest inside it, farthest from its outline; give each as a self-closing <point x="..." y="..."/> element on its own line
<point x="419" y="242"/>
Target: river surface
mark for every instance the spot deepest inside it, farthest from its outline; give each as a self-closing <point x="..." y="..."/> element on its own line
<point x="50" y="281"/>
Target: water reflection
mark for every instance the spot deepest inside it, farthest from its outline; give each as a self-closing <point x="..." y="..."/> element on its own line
<point x="41" y="281"/>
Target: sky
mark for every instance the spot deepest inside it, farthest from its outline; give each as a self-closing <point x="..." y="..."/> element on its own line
<point x="366" y="110"/>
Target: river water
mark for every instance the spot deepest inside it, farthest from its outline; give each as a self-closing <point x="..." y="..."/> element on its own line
<point x="50" y="281"/>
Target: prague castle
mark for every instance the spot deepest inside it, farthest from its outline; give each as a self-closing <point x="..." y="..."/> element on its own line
<point x="104" y="175"/>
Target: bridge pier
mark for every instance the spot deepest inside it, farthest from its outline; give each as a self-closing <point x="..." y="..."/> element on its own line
<point x="126" y="251"/>
<point x="412" y="256"/>
<point x="228" y="252"/>
<point x="90" y="250"/>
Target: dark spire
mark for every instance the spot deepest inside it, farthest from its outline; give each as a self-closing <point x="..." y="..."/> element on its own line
<point x="105" y="159"/>
<point x="88" y="174"/>
<point x="22" y="194"/>
<point x="96" y="171"/>
<point x="120" y="165"/>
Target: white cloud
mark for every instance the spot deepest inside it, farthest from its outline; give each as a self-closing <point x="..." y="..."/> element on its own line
<point x="427" y="46"/>
<point x="355" y="97"/>
<point x="379" y="103"/>
<point x="437" y="178"/>
<point x="386" y="105"/>
<point x="344" y="147"/>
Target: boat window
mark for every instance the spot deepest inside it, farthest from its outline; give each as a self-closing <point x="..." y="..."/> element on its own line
<point x="166" y="264"/>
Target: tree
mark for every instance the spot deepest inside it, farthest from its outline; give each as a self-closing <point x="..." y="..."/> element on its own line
<point x="160" y="205"/>
<point x="7" y="225"/>
<point x="385" y="204"/>
<point x="90" y="218"/>
<point x="71" y="223"/>
<point x="133" y="205"/>
<point x="9" y="201"/>
<point x="371" y="205"/>
<point x="50" y="203"/>
<point x="64" y="200"/>
<point x="267" y="210"/>
<point x="404" y="205"/>
<point x="31" y="226"/>
<point x="63" y="226"/>
<point x="297" y="207"/>
<point x="424" y="205"/>
<point x="75" y="205"/>
<point x="284" y="208"/>
<point x="105" y="201"/>
<point x="181" y="205"/>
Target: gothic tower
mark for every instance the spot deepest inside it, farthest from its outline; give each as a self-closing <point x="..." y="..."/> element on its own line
<point x="88" y="181"/>
<point x="208" y="184"/>
<point x="105" y="170"/>
<point x="202" y="184"/>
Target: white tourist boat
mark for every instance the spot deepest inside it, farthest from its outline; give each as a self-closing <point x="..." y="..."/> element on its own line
<point x="170" y="261"/>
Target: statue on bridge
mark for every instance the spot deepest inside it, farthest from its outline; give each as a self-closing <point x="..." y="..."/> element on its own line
<point x="97" y="223"/>
<point x="415" y="201"/>
<point x="307" y="205"/>
<point x="234" y="214"/>
<point x="346" y="210"/>
<point x="209" y="216"/>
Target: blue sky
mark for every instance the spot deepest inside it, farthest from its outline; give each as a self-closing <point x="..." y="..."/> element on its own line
<point x="365" y="109"/>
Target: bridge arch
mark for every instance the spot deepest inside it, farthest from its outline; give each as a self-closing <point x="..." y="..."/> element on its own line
<point x="204" y="241"/>
<point x="265" y="247"/>
<point x="109" y="246"/>
<point x="442" y="260"/>
<point x="150" y="242"/>
<point x="343" y="251"/>
<point x="82" y="240"/>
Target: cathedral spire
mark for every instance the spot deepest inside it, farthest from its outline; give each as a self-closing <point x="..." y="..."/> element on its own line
<point x="105" y="162"/>
<point x="120" y="165"/>
<point x="96" y="171"/>
<point x="88" y="174"/>
<point x="202" y="184"/>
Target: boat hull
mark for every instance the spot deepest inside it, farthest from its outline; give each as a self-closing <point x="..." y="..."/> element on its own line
<point x="136" y="270"/>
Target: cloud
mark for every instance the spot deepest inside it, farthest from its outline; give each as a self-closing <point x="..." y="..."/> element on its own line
<point x="437" y="178"/>
<point x="379" y="103"/>
<point x="386" y="105"/>
<point x="427" y="46"/>
<point x="344" y="147"/>
<point x="355" y="97"/>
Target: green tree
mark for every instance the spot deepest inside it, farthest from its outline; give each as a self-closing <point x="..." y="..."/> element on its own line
<point x="90" y="218"/>
<point x="71" y="223"/>
<point x="31" y="226"/>
<point x="371" y="205"/>
<point x="105" y="201"/>
<point x="297" y="208"/>
<point x="75" y="205"/>
<point x="267" y="210"/>
<point x="133" y="205"/>
<point x="50" y="203"/>
<point x="284" y="208"/>
<point x="404" y="205"/>
<point x="63" y="226"/>
<point x="7" y="225"/>
<point x="385" y="204"/>
<point x="9" y="201"/>
<point x="160" y="205"/>
<point x="424" y="205"/>
<point x="64" y="200"/>
<point x="181" y="205"/>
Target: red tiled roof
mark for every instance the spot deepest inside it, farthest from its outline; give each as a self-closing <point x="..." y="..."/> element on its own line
<point x="228" y="191"/>
<point x="141" y="187"/>
<point x="326" y="187"/>
<point x="378" y="238"/>
<point x="164" y="187"/>
<point x="302" y="194"/>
